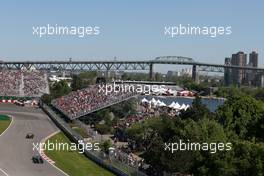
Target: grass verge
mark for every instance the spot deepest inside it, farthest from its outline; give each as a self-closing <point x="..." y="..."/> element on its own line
<point x="4" y="123"/>
<point x="72" y="162"/>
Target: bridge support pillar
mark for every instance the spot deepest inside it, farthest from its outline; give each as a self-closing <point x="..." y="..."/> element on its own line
<point x="195" y="75"/>
<point x="107" y="74"/>
<point x="151" y="72"/>
<point x="63" y="73"/>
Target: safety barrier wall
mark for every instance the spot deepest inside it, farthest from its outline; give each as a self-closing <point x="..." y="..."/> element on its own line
<point x="75" y="137"/>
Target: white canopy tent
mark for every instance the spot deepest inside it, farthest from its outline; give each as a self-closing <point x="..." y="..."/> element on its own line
<point x="144" y="100"/>
<point x="156" y="102"/>
<point x="188" y="106"/>
<point x="177" y="106"/>
<point x="183" y="106"/>
<point x="153" y="100"/>
<point x="172" y="105"/>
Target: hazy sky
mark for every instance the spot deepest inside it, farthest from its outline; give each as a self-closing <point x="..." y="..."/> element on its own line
<point x="130" y="29"/>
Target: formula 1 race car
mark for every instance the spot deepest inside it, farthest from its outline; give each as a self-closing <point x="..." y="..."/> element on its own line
<point x="30" y="136"/>
<point x="37" y="159"/>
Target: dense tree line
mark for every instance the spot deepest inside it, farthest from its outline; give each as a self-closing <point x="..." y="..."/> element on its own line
<point x="82" y="80"/>
<point x="240" y="121"/>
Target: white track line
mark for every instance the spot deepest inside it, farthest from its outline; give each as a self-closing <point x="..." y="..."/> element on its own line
<point x="48" y="161"/>
<point x="8" y="125"/>
<point x="38" y="151"/>
<point x="4" y="172"/>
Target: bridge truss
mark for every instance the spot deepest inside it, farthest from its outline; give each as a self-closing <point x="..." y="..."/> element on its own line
<point x="79" y="66"/>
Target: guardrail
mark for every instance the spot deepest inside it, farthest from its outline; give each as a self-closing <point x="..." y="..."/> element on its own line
<point x="75" y="137"/>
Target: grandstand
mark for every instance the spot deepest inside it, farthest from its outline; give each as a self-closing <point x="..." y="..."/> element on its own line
<point x="23" y="83"/>
<point x="88" y="100"/>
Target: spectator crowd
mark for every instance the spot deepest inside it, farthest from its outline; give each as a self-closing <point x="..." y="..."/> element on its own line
<point x="20" y="83"/>
<point x="81" y="102"/>
<point x="131" y="119"/>
<point x="35" y="83"/>
<point x="10" y="82"/>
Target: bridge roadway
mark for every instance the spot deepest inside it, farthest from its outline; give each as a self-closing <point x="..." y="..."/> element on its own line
<point x="111" y="65"/>
<point x="16" y="151"/>
<point x="107" y="65"/>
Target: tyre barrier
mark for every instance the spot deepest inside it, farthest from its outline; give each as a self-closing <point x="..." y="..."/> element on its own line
<point x="8" y="101"/>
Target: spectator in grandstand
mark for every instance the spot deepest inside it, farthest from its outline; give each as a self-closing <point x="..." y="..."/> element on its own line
<point x="81" y="102"/>
<point x="30" y="83"/>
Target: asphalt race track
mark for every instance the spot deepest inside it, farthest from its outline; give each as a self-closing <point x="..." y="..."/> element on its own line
<point x="16" y="151"/>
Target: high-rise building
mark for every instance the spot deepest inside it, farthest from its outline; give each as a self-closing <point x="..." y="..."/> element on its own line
<point x="253" y="59"/>
<point x="238" y="59"/>
<point x="252" y="76"/>
<point x="245" y="77"/>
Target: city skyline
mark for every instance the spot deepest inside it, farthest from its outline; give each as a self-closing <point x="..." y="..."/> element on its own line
<point x="122" y="88"/>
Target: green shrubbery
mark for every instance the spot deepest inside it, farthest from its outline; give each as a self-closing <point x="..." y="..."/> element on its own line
<point x="239" y="122"/>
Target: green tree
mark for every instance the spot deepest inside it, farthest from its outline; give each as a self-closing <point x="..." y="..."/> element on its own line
<point x="248" y="158"/>
<point x="125" y="76"/>
<point x="242" y="114"/>
<point x="158" y="77"/>
<point x="259" y="94"/>
<point x="84" y="79"/>
<point x="105" y="145"/>
<point x="211" y="162"/>
<point x="197" y="111"/>
<point x="166" y="130"/>
<point x="104" y="121"/>
<point x="125" y="108"/>
<point x="46" y="98"/>
<point x="60" y="88"/>
<point x="77" y="83"/>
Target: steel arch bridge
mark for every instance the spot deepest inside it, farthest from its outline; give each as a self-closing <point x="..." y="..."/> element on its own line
<point x="108" y="65"/>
